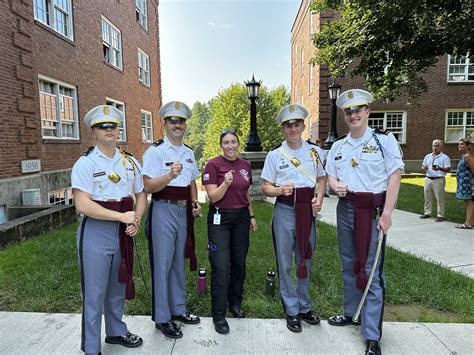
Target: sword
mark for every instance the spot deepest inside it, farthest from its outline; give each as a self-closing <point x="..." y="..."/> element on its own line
<point x="316" y="216"/>
<point x="355" y="317"/>
<point x="140" y="265"/>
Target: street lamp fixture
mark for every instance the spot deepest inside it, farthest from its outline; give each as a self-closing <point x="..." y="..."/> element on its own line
<point x="334" y="90"/>
<point x="254" y="144"/>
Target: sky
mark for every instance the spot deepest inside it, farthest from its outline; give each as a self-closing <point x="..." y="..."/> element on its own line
<point x="207" y="45"/>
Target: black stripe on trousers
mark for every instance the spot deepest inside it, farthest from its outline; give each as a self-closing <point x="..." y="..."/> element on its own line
<point x="276" y="261"/>
<point x="150" y="253"/>
<point x="83" y="283"/>
<point x="382" y="259"/>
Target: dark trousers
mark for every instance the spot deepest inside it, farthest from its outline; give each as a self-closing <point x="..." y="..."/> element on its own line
<point x="228" y="247"/>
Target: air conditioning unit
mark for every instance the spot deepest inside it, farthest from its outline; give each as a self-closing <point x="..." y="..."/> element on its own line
<point x="31" y="197"/>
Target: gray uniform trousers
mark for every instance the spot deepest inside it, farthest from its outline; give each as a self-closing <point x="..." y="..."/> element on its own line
<point x="99" y="255"/>
<point x="167" y="261"/>
<point x="295" y="299"/>
<point x="372" y="311"/>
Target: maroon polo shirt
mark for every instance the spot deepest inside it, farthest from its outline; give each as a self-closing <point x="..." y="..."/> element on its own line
<point x="236" y="194"/>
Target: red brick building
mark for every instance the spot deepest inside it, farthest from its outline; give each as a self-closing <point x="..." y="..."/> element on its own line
<point x="60" y="58"/>
<point x="445" y="111"/>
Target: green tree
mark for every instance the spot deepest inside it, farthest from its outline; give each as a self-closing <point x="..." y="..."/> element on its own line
<point x="391" y="43"/>
<point x="196" y="127"/>
<point x="230" y="108"/>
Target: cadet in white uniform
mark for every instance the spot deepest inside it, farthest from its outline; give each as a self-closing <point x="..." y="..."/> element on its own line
<point x="169" y="170"/>
<point x="290" y="173"/>
<point x="104" y="180"/>
<point x="364" y="170"/>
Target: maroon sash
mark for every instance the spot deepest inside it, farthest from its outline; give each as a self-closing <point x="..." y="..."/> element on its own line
<point x="126" y="245"/>
<point x="182" y="193"/>
<point x="364" y="203"/>
<point x="303" y="221"/>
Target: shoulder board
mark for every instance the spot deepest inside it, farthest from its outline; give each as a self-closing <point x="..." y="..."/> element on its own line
<point x="276" y="147"/>
<point x="381" y="131"/>
<point x="127" y="153"/>
<point x="158" y="142"/>
<point x="187" y="146"/>
<point x="88" y="151"/>
<point x="312" y="143"/>
<point x="344" y="136"/>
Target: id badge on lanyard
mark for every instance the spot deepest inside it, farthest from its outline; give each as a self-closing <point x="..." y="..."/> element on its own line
<point x="217" y="217"/>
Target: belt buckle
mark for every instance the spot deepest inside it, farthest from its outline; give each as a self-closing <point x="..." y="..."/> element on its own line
<point x="182" y="203"/>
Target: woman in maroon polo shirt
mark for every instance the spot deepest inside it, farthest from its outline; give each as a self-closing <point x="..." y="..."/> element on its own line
<point x="227" y="179"/>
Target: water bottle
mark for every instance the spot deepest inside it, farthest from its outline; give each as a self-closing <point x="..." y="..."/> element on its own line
<point x="202" y="281"/>
<point x="270" y="283"/>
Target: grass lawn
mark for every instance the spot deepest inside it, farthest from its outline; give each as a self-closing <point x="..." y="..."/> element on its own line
<point x="411" y="198"/>
<point x="42" y="275"/>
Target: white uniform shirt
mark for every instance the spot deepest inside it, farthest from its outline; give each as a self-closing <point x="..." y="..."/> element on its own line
<point x="441" y="160"/>
<point x="90" y="174"/>
<point x="279" y="170"/>
<point x="359" y="163"/>
<point x="157" y="162"/>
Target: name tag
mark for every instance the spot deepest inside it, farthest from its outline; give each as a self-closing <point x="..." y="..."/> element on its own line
<point x="169" y="163"/>
<point x="217" y="219"/>
<point x="283" y="166"/>
<point x="339" y="157"/>
<point x="100" y="173"/>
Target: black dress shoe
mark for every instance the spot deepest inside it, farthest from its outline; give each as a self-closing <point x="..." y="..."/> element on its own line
<point x="187" y="318"/>
<point x="129" y="340"/>
<point x="309" y="318"/>
<point x="237" y="311"/>
<point x="221" y="326"/>
<point x="373" y="348"/>
<point x="169" y="329"/>
<point x="293" y="323"/>
<point x="342" y="320"/>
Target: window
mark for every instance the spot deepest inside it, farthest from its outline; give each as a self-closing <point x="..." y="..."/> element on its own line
<point x="302" y="100"/>
<point x="143" y="68"/>
<point x="147" y="128"/>
<point x="460" y="68"/>
<point x="311" y="24"/>
<point x="311" y="77"/>
<point x="122" y="127"/>
<point x="295" y="95"/>
<point x="296" y="54"/>
<point x="56" y="14"/>
<point x="58" y="109"/>
<point x="61" y="197"/>
<point x="112" y="43"/>
<point x="142" y="13"/>
<point x="395" y="122"/>
<point x="302" y="61"/>
<point x="459" y="124"/>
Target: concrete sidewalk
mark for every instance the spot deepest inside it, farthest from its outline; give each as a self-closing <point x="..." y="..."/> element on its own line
<point x="41" y="333"/>
<point x="438" y="242"/>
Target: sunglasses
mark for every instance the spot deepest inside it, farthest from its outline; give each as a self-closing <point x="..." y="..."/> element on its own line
<point x="176" y="120"/>
<point x="226" y="131"/>
<point x="99" y="126"/>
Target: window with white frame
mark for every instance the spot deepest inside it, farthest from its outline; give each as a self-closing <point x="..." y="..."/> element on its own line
<point x="459" y="124"/>
<point x="122" y="126"/>
<point x="143" y="68"/>
<point x="460" y="68"/>
<point x="296" y="54"/>
<point x="302" y="61"/>
<point x="393" y="121"/>
<point x="311" y="24"/>
<point x="56" y="14"/>
<point x="61" y="197"/>
<point x="58" y="109"/>
<point x="302" y="100"/>
<point x="295" y="95"/>
<point x="111" y="43"/>
<point x="311" y="77"/>
<point x="142" y="13"/>
<point x="147" y="127"/>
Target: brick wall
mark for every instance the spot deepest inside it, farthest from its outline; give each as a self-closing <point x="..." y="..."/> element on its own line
<point x="30" y="48"/>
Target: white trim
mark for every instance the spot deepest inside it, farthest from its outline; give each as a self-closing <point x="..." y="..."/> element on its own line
<point x="404" y="122"/>
<point x="147" y="57"/>
<point x="462" y="127"/>
<point x="124" y="116"/>
<point x="109" y="43"/>
<point x="151" y="125"/>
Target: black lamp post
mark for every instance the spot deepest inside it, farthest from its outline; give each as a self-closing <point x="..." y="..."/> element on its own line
<point x="254" y="144"/>
<point x="334" y="90"/>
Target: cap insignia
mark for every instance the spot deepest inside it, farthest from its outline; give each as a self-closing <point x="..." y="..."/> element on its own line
<point x="177" y="105"/>
<point x="291" y="108"/>
<point x="350" y="95"/>
<point x="106" y="110"/>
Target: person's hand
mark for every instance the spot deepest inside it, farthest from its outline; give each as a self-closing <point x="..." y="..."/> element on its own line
<point x="316" y="206"/>
<point x="175" y="170"/>
<point x="341" y="190"/>
<point x="228" y="178"/>
<point x="435" y="168"/>
<point x="196" y="209"/>
<point x="132" y="229"/>
<point x="385" y="222"/>
<point x="286" y="189"/>
<point x="128" y="217"/>
<point x="253" y="224"/>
